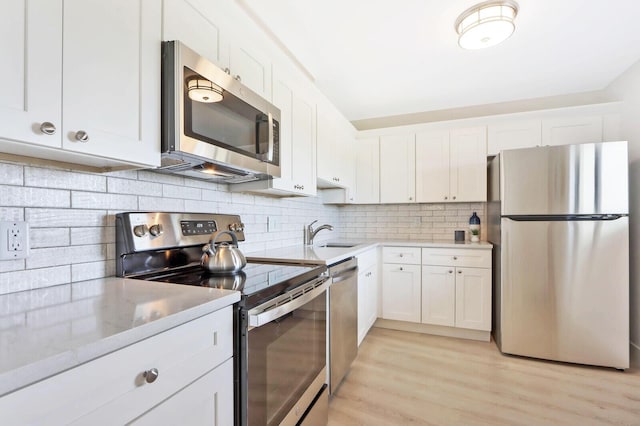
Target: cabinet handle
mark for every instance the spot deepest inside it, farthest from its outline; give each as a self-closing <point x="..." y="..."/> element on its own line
<point x="401" y="268"/>
<point x="455" y="258"/>
<point x="401" y="255"/>
<point x="82" y="136"/>
<point x="459" y="271"/>
<point x="48" y="128"/>
<point x="237" y="77"/>
<point x="150" y="376"/>
<point x="410" y="198"/>
<point x="454" y="197"/>
<point x="446" y="198"/>
<point x="227" y="70"/>
<point x="450" y="271"/>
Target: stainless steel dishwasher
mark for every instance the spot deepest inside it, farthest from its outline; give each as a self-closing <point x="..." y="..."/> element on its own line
<point x="343" y="320"/>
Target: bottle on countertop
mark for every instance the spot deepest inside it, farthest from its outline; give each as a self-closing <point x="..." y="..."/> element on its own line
<point x="474" y="228"/>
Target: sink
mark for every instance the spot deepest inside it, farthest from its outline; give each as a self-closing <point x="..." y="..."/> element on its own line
<point x="338" y="245"/>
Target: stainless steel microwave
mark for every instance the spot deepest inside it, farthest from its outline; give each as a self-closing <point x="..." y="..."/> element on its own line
<point x="214" y="127"/>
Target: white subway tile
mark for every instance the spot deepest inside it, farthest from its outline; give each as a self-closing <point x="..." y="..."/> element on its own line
<point x="201" y="206"/>
<point x="150" y="176"/>
<point x="11" y="174"/>
<point x="11" y="265"/>
<point x="95" y="200"/>
<point x="33" y="197"/>
<point x="11" y="213"/>
<point x="49" y="237"/>
<point x="36" y="299"/>
<point x="40" y="258"/>
<point x="93" y="235"/>
<point x="135" y="187"/>
<point x="160" y="204"/>
<point x="92" y="270"/>
<point x="30" y="279"/>
<point x="63" y="179"/>
<point x="184" y="192"/>
<point x="43" y="218"/>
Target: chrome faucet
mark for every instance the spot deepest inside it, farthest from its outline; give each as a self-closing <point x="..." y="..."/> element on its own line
<point x="310" y="233"/>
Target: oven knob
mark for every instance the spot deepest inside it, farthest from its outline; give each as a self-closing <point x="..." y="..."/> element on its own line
<point x="140" y="230"/>
<point x="233" y="227"/>
<point x="240" y="227"/>
<point x="156" y="230"/>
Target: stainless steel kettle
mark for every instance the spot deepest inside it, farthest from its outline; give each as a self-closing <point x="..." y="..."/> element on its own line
<point x="225" y="258"/>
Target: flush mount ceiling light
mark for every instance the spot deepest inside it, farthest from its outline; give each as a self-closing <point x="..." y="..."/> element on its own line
<point x="202" y="90"/>
<point x="486" y="24"/>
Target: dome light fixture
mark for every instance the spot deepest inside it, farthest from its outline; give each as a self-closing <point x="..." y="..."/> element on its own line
<point x="202" y="90"/>
<point x="486" y="24"/>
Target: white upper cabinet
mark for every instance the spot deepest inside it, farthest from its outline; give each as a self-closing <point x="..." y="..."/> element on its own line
<point x="398" y="168"/>
<point x="335" y="150"/>
<point x="98" y="63"/>
<point x="110" y="98"/>
<point x="513" y="135"/>
<point x="196" y="24"/>
<point x="31" y="71"/>
<point x="569" y="130"/>
<point x="303" y="157"/>
<point x="367" y="189"/>
<point x="250" y="64"/>
<point x="451" y="165"/>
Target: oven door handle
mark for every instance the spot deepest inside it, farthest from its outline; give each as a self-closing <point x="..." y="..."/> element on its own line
<point x="266" y="313"/>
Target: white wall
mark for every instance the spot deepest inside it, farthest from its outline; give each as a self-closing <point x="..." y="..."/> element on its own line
<point x="627" y="88"/>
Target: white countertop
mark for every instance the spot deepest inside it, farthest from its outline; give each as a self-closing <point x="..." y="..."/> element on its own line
<point x="46" y="331"/>
<point x="329" y="255"/>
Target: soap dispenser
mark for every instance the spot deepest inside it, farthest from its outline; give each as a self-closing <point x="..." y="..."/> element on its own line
<point x="474" y="228"/>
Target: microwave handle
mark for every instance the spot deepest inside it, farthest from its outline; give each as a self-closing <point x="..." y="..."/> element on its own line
<point x="270" y="125"/>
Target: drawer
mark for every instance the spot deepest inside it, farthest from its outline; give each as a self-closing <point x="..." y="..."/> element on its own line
<point x="406" y="255"/>
<point x="471" y="258"/>
<point x="181" y="355"/>
<point x="367" y="259"/>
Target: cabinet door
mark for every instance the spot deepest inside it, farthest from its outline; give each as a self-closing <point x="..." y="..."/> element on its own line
<point x="30" y="71"/>
<point x="283" y="99"/>
<point x="328" y="157"/>
<point x="367" y="301"/>
<point x="473" y="298"/>
<point x="569" y="130"/>
<point x="195" y="23"/>
<point x="468" y="164"/>
<point x="432" y="166"/>
<point x="207" y="401"/>
<point x="251" y="65"/>
<point x="513" y="135"/>
<point x="111" y="84"/>
<point x="397" y="169"/>
<point x="401" y="292"/>
<point x="367" y="171"/>
<point x="303" y="159"/>
<point x="439" y="295"/>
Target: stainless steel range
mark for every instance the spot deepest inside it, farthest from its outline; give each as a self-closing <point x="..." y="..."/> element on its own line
<point x="280" y="323"/>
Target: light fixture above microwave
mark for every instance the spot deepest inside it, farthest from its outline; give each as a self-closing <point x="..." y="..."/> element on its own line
<point x="214" y="127"/>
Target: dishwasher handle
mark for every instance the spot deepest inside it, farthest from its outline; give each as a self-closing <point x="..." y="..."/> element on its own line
<point x="344" y="270"/>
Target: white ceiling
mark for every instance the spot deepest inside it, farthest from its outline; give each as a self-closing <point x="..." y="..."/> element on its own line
<point x="380" y="58"/>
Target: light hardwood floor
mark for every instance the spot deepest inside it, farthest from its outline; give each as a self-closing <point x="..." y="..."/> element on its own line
<point x="402" y="378"/>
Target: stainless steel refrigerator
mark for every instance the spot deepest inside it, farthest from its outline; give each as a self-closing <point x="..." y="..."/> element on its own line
<point x="558" y="219"/>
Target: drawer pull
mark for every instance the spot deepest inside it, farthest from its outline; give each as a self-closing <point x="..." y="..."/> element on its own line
<point x="459" y="272"/>
<point x="401" y="268"/>
<point x="450" y="271"/>
<point x="455" y="258"/>
<point x="150" y="376"/>
<point x="401" y="255"/>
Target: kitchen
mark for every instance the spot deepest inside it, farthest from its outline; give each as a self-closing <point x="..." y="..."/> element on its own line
<point x="71" y="212"/>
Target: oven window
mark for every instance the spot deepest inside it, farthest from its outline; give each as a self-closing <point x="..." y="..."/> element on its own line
<point x="285" y="356"/>
<point x="230" y="123"/>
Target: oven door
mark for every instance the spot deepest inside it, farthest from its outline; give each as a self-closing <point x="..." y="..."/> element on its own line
<point x="286" y="356"/>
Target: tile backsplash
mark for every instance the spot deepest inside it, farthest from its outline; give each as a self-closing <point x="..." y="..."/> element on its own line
<point x="71" y="216"/>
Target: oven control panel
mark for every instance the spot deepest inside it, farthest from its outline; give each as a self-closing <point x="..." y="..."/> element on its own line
<point x="198" y="227"/>
<point x="142" y="231"/>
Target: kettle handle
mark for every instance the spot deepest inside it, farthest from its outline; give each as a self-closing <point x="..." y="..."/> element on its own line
<point x="233" y="238"/>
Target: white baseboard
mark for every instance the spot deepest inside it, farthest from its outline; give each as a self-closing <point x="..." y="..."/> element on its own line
<point x="634" y="352"/>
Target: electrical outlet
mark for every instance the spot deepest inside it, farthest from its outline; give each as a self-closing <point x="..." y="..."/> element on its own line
<point x="14" y="240"/>
<point x="273" y="224"/>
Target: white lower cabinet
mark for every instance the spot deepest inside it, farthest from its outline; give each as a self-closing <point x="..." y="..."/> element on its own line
<point x="456" y="297"/>
<point x="445" y="287"/>
<point x="192" y="362"/>
<point x="456" y="288"/>
<point x="367" y="292"/>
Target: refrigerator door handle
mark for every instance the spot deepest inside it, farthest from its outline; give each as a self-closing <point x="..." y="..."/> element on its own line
<point x="566" y="218"/>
